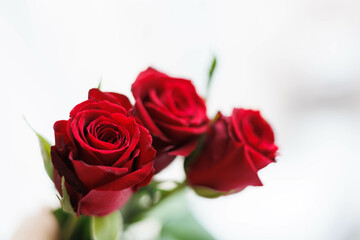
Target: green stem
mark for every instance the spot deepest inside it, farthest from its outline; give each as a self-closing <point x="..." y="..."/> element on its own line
<point x="134" y="211"/>
<point x="178" y="188"/>
<point x="68" y="228"/>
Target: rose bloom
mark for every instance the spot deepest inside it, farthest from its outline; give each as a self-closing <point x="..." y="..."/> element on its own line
<point x="103" y="153"/>
<point x="172" y="111"/>
<point x="234" y="149"/>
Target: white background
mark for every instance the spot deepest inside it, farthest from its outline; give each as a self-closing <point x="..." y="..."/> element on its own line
<point x="297" y="61"/>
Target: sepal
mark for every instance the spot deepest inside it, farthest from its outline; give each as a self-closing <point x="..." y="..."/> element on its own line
<point x="208" y="192"/>
<point x="65" y="200"/>
<point x="45" y="152"/>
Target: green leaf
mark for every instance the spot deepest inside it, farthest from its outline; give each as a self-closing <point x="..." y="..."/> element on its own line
<point x="99" y="86"/>
<point x="45" y="152"/>
<point x="108" y="227"/>
<point x="65" y="201"/>
<point x="211" y="72"/>
<point x="178" y="221"/>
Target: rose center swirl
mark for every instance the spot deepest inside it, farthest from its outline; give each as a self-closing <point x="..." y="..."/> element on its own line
<point x="108" y="132"/>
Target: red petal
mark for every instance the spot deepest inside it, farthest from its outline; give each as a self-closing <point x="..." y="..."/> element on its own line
<point x="95" y="176"/>
<point x="101" y="203"/>
<point x="162" y="160"/>
<point x="148" y="122"/>
<point x="129" y="180"/>
<point x="61" y="137"/>
<point x="94" y="105"/>
<point x="180" y="133"/>
<point x="260" y="161"/>
<point x="233" y="173"/>
<point x="164" y="114"/>
<point x="64" y="168"/>
<point x="186" y="149"/>
<point x="120" y="99"/>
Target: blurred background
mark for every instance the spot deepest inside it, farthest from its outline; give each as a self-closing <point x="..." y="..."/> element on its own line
<point x="296" y="61"/>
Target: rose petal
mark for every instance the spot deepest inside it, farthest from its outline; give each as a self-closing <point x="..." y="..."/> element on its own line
<point x="145" y="81"/>
<point x="141" y="112"/>
<point x="181" y="133"/>
<point x="102" y="127"/>
<point x="117" y="98"/>
<point x="93" y="105"/>
<point x="186" y="149"/>
<point x="162" y="160"/>
<point x="155" y="99"/>
<point x="61" y="137"/>
<point x="129" y="180"/>
<point x="235" y="123"/>
<point x="164" y="115"/>
<point x="107" y="157"/>
<point x="134" y="131"/>
<point x="223" y="164"/>
<point x="233" y="173"/>
<point x="95" y="176"/>
<point x="101" y="203"/>
<point x="57" y="181"/>
<point x="260" y="161"/>
<point x="146" y="181"/>
<point x="147" y="152"/>
<point x="65" y="169"/>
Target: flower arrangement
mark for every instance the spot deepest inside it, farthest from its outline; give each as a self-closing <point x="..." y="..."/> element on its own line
<point x="106" y="154"/>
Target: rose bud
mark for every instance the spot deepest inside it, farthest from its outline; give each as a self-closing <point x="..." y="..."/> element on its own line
<point x="172" y="111"/>
<point x="233" y="151"/>
<point x="103" y="154"/>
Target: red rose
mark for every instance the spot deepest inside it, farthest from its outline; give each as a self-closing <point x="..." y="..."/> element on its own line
<point x="103" y="153"/>
<point x="172" y="111"/>
<point x="234" y="149"/>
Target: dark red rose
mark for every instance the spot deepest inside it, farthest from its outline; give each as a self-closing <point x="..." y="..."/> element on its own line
<point x="103" y="153"/>
<point x="234" y="149"/>
<point x="172" y="111"/>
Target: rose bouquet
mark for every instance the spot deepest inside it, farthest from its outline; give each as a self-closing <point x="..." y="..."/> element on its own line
<point x="106" y="155"/>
